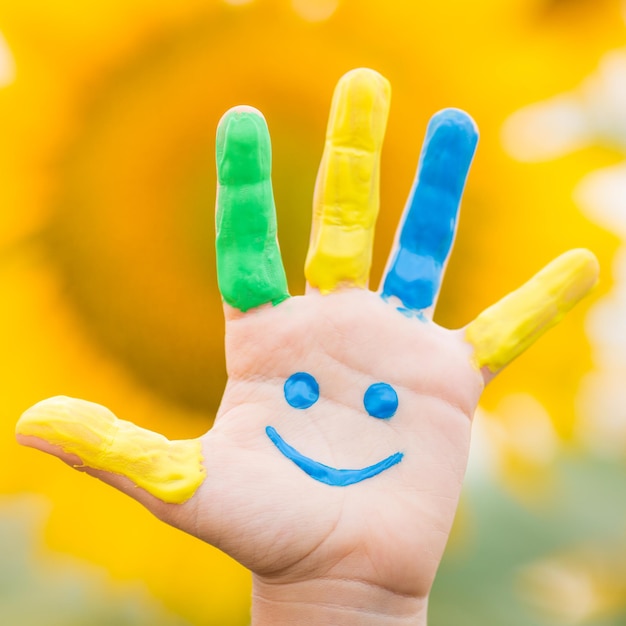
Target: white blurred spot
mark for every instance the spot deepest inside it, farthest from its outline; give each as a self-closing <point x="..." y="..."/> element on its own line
<point x="236" y="3"/>
<point x="519" y="433"/>
<point x="562" y="592"/>
<point x="524" y="428"/>
<point x="602" y="196"/>
<point x="482" y="462"/>
<point x="607" y="331"/>
<point x="594" y="112"/>
<point x="544" y="131"/>
<point x="602" y="422"/>
<point x="7" y="64"/>
<point x="603" y="95"/>
<point x="315" y="10"/>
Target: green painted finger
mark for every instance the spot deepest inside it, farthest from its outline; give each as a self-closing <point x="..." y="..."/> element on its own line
<point x="503" y="331"/>
<point x="249" y="267"/>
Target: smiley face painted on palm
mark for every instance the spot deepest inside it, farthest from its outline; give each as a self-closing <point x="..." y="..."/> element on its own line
<point x="301" y="392"/>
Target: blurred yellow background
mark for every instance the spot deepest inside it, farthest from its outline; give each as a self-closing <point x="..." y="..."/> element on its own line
<point x="107" y="119"/>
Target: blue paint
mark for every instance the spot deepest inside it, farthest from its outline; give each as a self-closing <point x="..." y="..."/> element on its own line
<point x="432" y="209"/>
<point x="301" y="390"/>
<point x="381" y="400"/>
<point x="324" y="473"/>
<point x="411" y="313"/>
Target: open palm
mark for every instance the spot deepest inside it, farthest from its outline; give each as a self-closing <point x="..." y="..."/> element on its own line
<point x="335" y="463"/>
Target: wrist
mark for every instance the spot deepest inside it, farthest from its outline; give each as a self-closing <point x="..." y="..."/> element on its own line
<point x="328" y="602"/>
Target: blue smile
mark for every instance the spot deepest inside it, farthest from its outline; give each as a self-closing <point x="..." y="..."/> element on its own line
<point x="324" y="473"/>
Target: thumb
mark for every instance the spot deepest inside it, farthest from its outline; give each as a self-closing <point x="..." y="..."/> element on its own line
<point x="89" y="437"/>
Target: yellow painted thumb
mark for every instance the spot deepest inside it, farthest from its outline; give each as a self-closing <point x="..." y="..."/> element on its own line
<point x="170" y="470"/>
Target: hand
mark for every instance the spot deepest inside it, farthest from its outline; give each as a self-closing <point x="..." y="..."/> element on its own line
<point x="336" y="460"/>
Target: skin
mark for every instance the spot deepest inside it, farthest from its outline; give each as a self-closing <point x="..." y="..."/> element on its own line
<point x="365" y="553"/>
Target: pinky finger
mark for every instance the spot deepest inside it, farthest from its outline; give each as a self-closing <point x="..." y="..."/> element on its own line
<point x="503" y="331"/>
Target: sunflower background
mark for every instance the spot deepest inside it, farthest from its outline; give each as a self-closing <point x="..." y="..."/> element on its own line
<point x="107" y="119"/>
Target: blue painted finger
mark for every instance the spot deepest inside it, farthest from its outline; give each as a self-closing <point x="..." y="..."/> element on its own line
<point x="429" y="223"/>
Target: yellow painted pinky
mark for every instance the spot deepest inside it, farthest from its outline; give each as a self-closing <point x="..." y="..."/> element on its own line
<point x="346" y="199"/>
<point x="503" y="331"/>
<point x="169" y="470"/>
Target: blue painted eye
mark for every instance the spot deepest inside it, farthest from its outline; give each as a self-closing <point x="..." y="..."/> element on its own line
<point x="301" y="390"/>
<point x="381" y="400"/>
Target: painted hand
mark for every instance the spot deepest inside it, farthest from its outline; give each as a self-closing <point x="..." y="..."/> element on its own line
<point x="335" y="463"/>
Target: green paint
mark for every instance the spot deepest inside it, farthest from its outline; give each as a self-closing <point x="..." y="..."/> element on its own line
<point x="249" y="267"/>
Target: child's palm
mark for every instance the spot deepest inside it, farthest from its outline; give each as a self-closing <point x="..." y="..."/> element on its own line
<point x="301" y="524"/>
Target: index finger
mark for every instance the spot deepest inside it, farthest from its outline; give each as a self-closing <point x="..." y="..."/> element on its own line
<point x="249" y="266"/>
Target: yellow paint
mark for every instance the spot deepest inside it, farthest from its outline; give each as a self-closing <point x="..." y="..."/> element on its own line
<point x="503" y="331"/>
<point x="169" y="470"/>
<point x="346" y="199"/>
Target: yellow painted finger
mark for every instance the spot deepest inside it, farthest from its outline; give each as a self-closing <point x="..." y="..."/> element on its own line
<point x="169" y="470"/>
<point x="503" y="331"/>
<point x="346" y="199"/>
